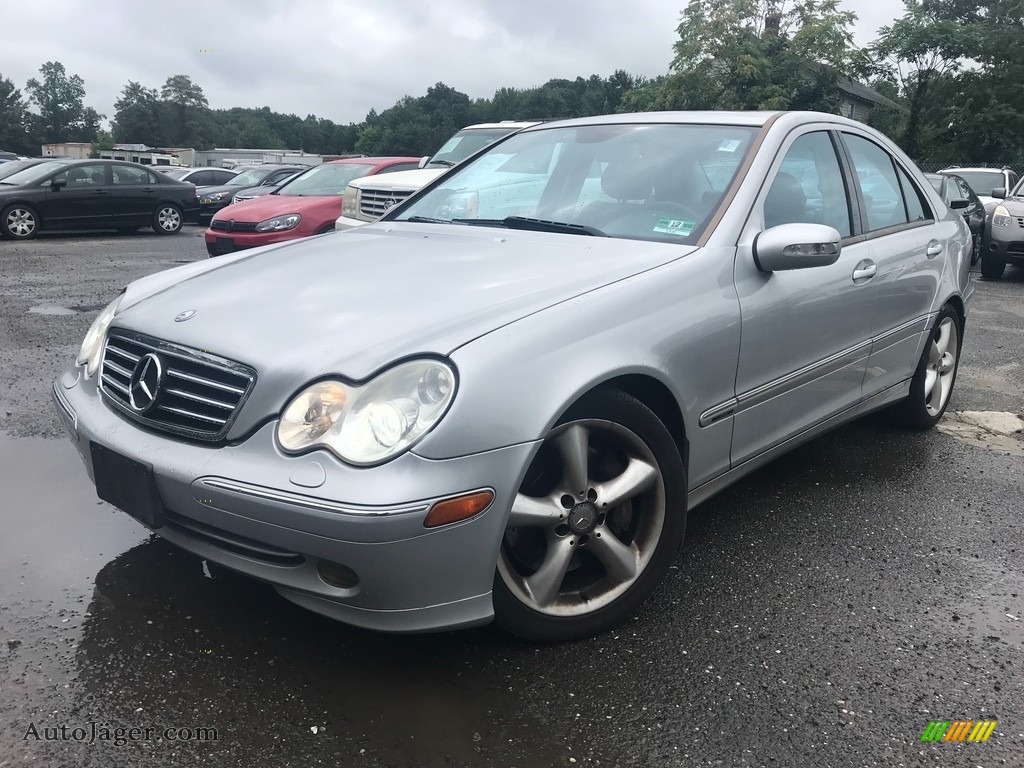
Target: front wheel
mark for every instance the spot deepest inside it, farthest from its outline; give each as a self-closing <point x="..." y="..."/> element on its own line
<point x="167" y="219"/>
<point x="933" y="380"/>
<point x="596" y="523"/>
<point x="19" y="222"/>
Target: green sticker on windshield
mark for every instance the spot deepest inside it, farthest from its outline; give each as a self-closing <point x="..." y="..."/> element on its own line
<point x="678" y="227"/>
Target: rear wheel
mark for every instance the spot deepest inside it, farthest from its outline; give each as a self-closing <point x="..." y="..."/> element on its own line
<point x="596" y="523"/>
<point x="167" y="219"/>
<point x="933" y="380"/>
<point x="19" y="222"/>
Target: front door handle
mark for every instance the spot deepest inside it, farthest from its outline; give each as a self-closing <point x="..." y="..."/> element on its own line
<point x="934" y="249"/>
<point x="864" y="271"/>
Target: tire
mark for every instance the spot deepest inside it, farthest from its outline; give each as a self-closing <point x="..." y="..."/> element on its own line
<point x="167" y="219"/>
<point x="19" y="222"/>
<point x="933" y="381"/>
<point x="992" y="267"/>
<point x="569" y="565"/>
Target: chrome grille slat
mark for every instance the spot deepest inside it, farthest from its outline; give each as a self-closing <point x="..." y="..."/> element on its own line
<point x="117" y="368"/>
<point x="206" y="382"/>
<point x="108" y="379"/>
<point x="191" y="414"/>
<point x="198" y="397"/>
<point x="133" y="359"/>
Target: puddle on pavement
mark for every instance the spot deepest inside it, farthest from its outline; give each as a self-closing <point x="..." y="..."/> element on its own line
<point x="995" y="430"/>
<point x="51" y="309"/>
<point x="100" y="620"/>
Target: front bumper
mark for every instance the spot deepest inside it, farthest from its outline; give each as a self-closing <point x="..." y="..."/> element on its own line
<point x="1005" y="243"/>
<point x="275" y="517"/>
<point x="348" y="222"/>
<point x="222" y="242"/>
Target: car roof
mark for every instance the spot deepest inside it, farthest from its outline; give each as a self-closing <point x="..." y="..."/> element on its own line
<point x="372" y="160"/>
<point x="955" y="169"/>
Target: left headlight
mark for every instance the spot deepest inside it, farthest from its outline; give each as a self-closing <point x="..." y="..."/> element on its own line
<point x="1000" y="216"/>
<point x="214" y="198"/>
<point x="279" y="223"/>
<point x="372" y="422"/>
<point x="92" y="345"/>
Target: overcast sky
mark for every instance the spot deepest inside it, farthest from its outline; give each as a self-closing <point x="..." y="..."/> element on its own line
<point x="339" y="58"/>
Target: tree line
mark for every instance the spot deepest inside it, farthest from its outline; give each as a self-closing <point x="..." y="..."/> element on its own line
<point x="949" y="70"/>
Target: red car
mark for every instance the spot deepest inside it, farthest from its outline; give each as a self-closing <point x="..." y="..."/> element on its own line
<point x="306" y="205"/>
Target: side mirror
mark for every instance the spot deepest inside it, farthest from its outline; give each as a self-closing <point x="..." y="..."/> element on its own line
<point x="796" y="246"/>
<point x="999" y="192"/>
<point x="959" y="204"/>
<point x="424" y="160"/>
<point x="58" y="184"/>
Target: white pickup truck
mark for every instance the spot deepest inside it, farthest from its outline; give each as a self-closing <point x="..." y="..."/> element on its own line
<point x="369" y="198"/>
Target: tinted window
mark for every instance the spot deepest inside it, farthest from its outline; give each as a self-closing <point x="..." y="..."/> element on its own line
<point x="963" y="191"/>
<point x="809" y="187"/>
<point x="83" y="176"/>
<point x="912" y="197"/>
<point x="127" y="174"/>
<point x="218" y="177"/>
<point x="883" y="197"/>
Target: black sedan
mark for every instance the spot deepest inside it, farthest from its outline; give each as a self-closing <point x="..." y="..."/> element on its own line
<point x="958" y="195"/>
<point x="212" y="199"/>
<point x="92" y="194"/>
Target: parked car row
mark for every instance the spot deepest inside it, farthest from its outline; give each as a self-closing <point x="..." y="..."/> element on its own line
<point x="307" y="204"/>
<point x="501" y="400"/>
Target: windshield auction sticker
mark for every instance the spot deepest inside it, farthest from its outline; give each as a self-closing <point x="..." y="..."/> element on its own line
<point x="677" y="227"/>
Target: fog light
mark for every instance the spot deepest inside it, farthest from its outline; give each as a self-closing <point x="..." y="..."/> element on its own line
<point x="460" y="508"/>
<point x="337" y="575"/>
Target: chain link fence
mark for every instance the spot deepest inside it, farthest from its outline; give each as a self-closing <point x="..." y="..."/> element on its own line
<point x="934" y="166"/>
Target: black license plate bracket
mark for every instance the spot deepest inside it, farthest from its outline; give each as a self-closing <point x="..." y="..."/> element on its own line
<point x="127" y="484"/>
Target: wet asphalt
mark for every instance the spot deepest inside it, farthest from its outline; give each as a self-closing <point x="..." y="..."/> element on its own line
<point x="820" y="613"/>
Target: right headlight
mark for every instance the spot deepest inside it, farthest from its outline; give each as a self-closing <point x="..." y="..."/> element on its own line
<point x="1000" y="216"/>
<point x="350" y="202"/>
<point x="92" y="345"/>
<point x="369" y="423"/>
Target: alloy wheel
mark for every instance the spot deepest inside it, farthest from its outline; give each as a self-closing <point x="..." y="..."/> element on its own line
<point x="941" y="366"/>
<point x="20" y="222"/>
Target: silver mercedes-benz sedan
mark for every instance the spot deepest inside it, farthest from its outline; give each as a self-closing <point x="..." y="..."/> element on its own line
<point x="500" y="400"/>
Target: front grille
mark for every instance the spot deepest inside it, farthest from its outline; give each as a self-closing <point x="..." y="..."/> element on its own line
<point x="233" y="226"/>
<point x="197" y="396"/>
<point x="1015" y="248"/>
<point x="374" y="203"/>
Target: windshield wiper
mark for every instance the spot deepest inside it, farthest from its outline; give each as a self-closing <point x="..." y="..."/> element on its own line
<point x="544" y="225"/>
<point x="445" y="163"/>
<point x="425" y="220"/>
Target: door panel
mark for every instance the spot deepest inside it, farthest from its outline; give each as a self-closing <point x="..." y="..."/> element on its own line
<point x="134" y="193"/>
<point x="80" y="202"/>
<point x="907" y="247"/>
<point x="805" y="333"/>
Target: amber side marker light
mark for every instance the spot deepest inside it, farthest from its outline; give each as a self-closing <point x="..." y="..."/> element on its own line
<point x="459" y="508"/>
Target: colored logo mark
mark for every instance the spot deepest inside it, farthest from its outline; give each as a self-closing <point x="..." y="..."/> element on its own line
<point x="958" y="730"/>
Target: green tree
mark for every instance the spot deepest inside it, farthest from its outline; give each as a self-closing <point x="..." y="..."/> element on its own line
<point x="185" y="114"/>
<point x="14" y="135"/>
<point x="59" y="98"/>
<point x="136" y="116"/>
<point x="761" y="54"/>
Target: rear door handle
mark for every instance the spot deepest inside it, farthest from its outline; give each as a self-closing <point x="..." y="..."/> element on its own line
<point x="864" y="271"/>
<point x="934" y="249"/>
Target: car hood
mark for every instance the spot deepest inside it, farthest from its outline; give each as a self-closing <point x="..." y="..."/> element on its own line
<point x="1015" y="205"/>
<point x="353" y="302"/>
<point x="265" y="206"/>
<point x="212" y="190"/>
<point x="403" y="180"/>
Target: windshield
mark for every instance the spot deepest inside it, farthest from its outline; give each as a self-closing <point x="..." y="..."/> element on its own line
<point x="982" y="182"/>
<point x="13" y="167"/>
<point x="647" y="182"/>
<point x="34" y="173"/>
<point x="176" y="173"/>
<point x="327" y="179"/>
<point x="249" y="178"/>
<point x="465" y="143"/>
